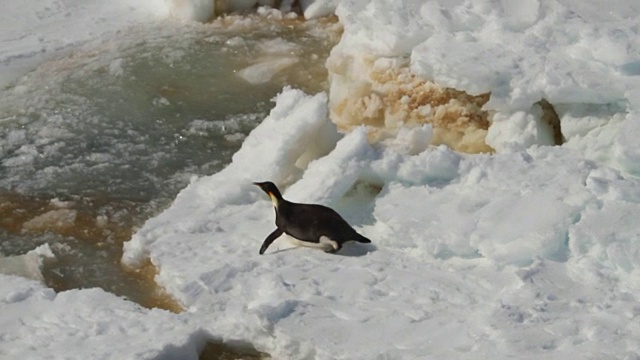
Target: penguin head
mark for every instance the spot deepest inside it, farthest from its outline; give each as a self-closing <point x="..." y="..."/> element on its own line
<point x="271" y="190"/>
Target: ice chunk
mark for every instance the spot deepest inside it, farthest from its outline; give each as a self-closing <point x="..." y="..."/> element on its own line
<point x="318" y="8"/>
<point x="28" y="265"/>
<point x="192" y="10"/>
<point x="263" y="71"/>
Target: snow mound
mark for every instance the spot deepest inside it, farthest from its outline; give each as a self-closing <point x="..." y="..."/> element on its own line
<point x="559" y="51"/>
<point x="442" y="225"/>
<point x="88" y="323"/>
<point x="473" y="253"/>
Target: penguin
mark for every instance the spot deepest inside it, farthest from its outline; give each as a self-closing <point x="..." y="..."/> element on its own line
<point x="310" y="225"/>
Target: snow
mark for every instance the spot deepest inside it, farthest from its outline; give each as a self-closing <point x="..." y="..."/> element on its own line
<point x="562" y="51"/>
<point x="544" y="39"/>
<point x="87" y="323"/>
<point x="530" y="252"/>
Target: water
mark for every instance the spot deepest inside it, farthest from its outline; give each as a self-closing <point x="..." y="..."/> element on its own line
<point x="97" y="141"/>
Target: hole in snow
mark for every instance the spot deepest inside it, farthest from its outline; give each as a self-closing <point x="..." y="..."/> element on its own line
<point x="357" y="204"/>
<point x="550" y="117"/>
<point x="231" y="351"/>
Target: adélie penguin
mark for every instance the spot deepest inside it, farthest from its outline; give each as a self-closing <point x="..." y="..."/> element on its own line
<point x="310" y="225"/>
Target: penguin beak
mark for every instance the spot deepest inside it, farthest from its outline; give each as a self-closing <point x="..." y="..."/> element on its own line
<point x="261" y="188"/>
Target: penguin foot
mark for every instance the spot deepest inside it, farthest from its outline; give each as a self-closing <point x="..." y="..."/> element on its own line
<point x="333" y="248"/>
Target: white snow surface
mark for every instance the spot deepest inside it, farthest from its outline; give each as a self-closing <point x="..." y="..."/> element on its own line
<point x="473" y="255"/>
<point x="531" y="252"/>
<point x="565" y="51"/>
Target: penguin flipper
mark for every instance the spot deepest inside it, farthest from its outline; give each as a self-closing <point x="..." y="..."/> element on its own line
<point x="274" y="235"/>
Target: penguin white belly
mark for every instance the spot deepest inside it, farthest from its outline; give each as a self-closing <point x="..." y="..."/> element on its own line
<point x="325" y="243"/>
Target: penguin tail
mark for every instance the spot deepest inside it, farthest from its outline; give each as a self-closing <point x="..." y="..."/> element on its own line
<point x="362" y="239"/>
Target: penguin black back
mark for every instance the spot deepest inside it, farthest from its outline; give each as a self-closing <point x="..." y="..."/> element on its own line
<point x="311" y="224"/>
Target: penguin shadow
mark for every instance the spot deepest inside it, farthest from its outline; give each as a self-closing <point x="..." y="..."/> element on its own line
<point x="350" y="249"/>
<point x="281" y="250"/>
<point x="353" y="249"/>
